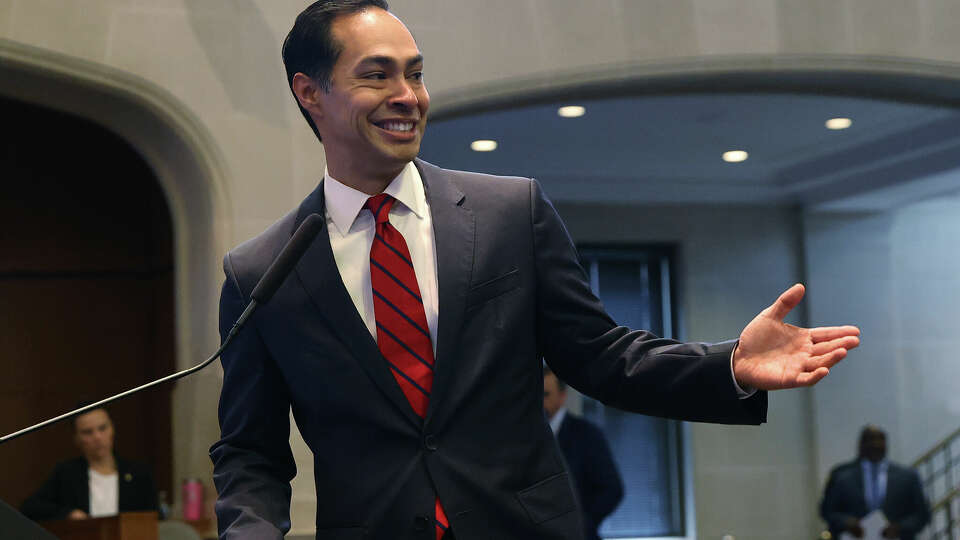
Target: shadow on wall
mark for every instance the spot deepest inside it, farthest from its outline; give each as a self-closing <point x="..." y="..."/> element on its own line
<point x="238" y="36"/>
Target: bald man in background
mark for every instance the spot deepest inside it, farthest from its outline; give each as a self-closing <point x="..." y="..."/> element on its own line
<point x="870" y="483"/>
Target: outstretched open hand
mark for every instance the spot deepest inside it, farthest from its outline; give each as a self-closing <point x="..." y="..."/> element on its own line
<point x="773" y="354"/>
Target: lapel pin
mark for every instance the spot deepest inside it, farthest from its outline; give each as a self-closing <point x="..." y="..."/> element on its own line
<point x="128" y="477"/>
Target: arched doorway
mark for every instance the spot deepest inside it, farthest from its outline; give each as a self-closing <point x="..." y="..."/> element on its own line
<point x="192" y="174"/>
<point x="86" y="291"/>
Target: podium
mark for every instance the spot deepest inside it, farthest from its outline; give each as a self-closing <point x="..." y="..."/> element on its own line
<point x="125" y="526"/>
<point x="15" y="525"/>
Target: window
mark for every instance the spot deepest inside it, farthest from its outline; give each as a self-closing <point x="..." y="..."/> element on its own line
<point x="634" y="285"/>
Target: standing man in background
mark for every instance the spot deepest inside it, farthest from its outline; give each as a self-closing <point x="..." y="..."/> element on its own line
<point x="587" y="454"/>
<point x="407" y="340"/>
<point x="870" y="483"/>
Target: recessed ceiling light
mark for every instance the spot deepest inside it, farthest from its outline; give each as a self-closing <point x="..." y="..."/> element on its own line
<point x="483" y="145"/>
<point x="572" y="111"/>
<point x="839" y="123"/>
<point x="735" y="156"/>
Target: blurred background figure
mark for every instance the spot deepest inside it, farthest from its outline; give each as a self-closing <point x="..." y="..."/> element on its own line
<point x="96" y="484"/>
<point x="869" y="483"/>
<point x="587" y="454"/>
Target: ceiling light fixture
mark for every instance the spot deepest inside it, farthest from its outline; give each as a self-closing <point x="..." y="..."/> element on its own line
<point x="839" y="123"/>
<point x="735" y="156"/>
<point x="483" y="145"/>
<point x="572" y="111"/>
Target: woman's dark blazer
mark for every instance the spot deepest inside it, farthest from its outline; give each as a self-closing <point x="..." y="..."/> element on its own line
<point x="68" y="489"/>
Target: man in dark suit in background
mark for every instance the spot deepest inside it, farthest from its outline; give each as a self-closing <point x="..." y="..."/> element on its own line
<point x="587" y="455"/>
<point x="872" y="482"/>
<point x="96" y="484"/>
<point x="408" y="339"/>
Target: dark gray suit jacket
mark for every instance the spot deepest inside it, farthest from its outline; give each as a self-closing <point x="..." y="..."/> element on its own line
<point x="510" y="291"/>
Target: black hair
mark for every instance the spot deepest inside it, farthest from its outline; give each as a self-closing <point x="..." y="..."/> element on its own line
<point x="871" y="430"/>
<point x="561" y="386"/>
<point x="84" y="403"/>
<point x="310" y="47"/>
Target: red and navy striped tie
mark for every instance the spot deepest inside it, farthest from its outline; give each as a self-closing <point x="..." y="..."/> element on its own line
<point x="403" y="336"/>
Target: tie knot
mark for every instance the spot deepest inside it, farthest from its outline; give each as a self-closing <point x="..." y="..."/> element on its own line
<point x="380" y="205"/>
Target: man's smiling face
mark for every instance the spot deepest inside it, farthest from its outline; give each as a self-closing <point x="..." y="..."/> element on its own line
<point x="373" y="117"/>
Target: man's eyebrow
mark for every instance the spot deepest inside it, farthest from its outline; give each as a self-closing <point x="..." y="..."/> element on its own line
<point x="386" y="61"/>
<point x="418" y="59"/>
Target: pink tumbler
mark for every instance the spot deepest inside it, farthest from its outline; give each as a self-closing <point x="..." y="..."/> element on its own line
<point x="192" y="499"/>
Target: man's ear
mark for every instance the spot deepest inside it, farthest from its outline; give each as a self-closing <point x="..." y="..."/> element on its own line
<point x="307" y="91"/>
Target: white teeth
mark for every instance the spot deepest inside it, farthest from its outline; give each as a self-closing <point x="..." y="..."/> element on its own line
<point x="398" y="126"/>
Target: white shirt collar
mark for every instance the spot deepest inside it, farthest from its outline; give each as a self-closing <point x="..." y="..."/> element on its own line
<point x="343" y="203"/>
<point x="557" y="419"/>
<point x="883" y="464"/>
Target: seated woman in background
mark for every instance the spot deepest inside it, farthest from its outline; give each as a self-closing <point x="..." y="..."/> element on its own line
<point x="97" y="484"/>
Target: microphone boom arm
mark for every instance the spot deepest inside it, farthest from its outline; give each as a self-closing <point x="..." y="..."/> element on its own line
<point x="251" y="307"/>
<point x="268" y="284"/>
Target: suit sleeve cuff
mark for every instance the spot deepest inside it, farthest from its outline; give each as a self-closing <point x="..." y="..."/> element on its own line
<point x="742" y="393"/>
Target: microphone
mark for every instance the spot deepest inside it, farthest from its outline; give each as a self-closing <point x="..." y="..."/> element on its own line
<point x="278" y="271"/>
<point x="262" y="293"/>
<point x="288" y="257"/>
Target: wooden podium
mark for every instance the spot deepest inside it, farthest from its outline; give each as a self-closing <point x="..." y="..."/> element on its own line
<point x="125" y="526"/>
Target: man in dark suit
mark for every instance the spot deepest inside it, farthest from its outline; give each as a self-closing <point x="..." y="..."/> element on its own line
<point x="869" y="483"/>
<point x="407" y="340"/>
<point x="97" y="483"/>
<point x="587" y="454"/>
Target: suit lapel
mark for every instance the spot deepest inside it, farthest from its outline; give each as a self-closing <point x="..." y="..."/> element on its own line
<point x="563" y="432"/>
<point x="453" y="231"/>
<point x="891" y="487"/>
<point x="123" y="485"/>
<point x="83" y="486"/>
<point x="860" y="487"/>
<point x="318" y="272"/>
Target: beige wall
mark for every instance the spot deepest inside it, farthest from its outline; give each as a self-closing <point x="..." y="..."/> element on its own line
<point x="234" y="153"/>
<point x="895" y="273"/>
<point x="749" y="482"/>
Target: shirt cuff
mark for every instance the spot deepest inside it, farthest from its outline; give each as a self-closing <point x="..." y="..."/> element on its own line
<point x="741" y="392"/>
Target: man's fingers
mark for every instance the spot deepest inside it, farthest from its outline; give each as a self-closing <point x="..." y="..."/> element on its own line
<point x="825" y="333"/>
<point x="824" y="347"/>
<point x="827" y="360"/>
<point x="813" y="377"/>
<point x="787" y="301"/>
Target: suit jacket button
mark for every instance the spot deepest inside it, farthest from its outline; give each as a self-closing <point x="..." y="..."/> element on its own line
<point x="421" y="523"/>
<point x="430" y="443"/>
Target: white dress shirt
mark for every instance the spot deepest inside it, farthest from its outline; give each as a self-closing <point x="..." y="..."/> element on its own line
<point x="868" y="487"/>
<point x="557" y="419"/>
<point x="104" y="494"/>
<point x="351" y="228"/>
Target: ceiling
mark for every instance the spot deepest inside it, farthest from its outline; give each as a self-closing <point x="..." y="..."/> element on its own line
<point x="667" y="149"/>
